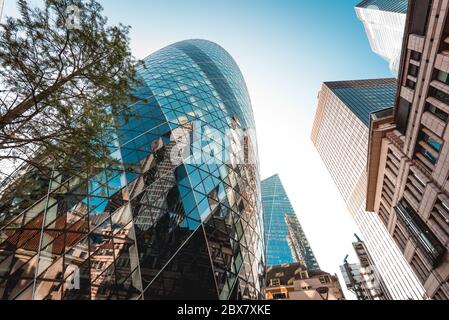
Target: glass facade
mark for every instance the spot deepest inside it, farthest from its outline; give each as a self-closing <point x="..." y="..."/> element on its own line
<point x="420" y="232"/>
<point x="285" y="239"/>
<point x="341" y="138"/>
<point x="384" y="22"/>
<point x="399" y="6"/>
<point x="365" y="97"/>
<point x="154" y="225"/>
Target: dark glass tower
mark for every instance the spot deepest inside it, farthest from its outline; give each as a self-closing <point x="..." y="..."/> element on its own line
<point x="363" y="97"/>
<point x="398" y="6"/>
<point x="156" y="225"/>
<point x="284" y="237"/>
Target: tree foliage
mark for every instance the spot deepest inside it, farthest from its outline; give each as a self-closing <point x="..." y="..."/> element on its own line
<point x="64" y="76"/>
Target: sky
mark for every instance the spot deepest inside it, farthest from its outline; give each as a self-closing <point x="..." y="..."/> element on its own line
<point x="286" y="49"/>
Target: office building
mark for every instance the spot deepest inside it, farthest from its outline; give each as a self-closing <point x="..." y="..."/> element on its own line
<point x="340" y="133"/>
<point x="354" y="280"/>
<point x="409" y="151"/>
<point x="362" y="278"/>
<point x="157" y="223"/>
<point x="384" y="22"/>
<point x="285" y="239"/>
<point x="295" y="282"/>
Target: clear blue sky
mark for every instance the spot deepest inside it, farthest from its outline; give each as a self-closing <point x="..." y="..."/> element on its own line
<point x="286" y="49"/>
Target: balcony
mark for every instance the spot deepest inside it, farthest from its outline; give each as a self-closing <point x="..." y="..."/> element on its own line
<point x="420" y="232"/>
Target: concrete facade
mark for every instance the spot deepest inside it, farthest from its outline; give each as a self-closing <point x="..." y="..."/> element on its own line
<point x="408" y="184"/>
<point x="340" y="134"/>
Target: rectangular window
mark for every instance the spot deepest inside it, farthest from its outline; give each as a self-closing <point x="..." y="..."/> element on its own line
<point x="402" y="115"/>
<point x="304" y="275"/>
<point x="275" y="283"/>
<point x="410" y="84"/>
<point x="429" y="156"/>
<point x="420" y="232"/>
<point x="443" y="77"/>
<point x="415" y="55"/>
<point x="440" y="95"/>
<point x="437" y="112"/>
<point x="431" y="140"/>
<point x="324" y="279"/>
<point x="413" y="70"/>
<point x="279" y="296"/>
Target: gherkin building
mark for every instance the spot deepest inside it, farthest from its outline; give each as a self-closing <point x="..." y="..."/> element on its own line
<point x="176" y="216"/>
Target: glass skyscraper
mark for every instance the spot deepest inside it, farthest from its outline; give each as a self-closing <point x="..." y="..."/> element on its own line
<point x="340" y="134"/>
<point x="285" y="239"/>
<point x="159" y="223"/>
<point x="384" y="22"/>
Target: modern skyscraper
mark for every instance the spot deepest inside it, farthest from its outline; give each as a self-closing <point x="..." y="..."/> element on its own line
<point x="154" y="225"/>
<point x="340" y="133"/>
<point x="409" y="150"/>
<point x="285" y="239"/>
<point x="384" y="22"/>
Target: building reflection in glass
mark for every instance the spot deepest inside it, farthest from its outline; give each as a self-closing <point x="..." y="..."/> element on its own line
<point x="145" y="227"/>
